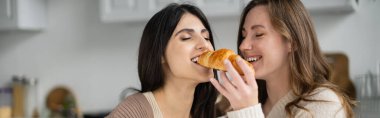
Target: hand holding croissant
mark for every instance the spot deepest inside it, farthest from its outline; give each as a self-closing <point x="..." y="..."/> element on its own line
<point x="240" y="90"/>
<point x="214" y="59"/>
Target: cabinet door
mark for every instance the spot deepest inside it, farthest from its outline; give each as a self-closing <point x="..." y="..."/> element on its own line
<point x="7" y="16"/>
<point x="220" y="8"/>
<point x="124" y="10"/>
<point x="330" y="6"/>
<point x="142" y="10"/>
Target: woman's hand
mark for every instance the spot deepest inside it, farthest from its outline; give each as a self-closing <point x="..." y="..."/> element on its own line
<point x="241" y="91"/>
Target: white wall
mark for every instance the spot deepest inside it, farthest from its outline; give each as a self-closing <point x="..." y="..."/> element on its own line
<point x="356" y="34"/>
<point x="98" y="60"/>
<point x="95" y="60"/>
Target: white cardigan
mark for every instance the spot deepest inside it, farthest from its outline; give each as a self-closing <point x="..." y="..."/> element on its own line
<point x="332" y="109"/>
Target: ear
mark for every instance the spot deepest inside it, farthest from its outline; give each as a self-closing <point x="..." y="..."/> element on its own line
<point x="289" y="46"/>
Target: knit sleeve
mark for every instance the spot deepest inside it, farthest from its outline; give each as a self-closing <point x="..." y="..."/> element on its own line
<point x="249" y="112"/>
<point x="134" y="106"/>
<point x="332" y="108"/>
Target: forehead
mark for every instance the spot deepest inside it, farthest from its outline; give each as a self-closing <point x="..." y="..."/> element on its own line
<point x="258" y="15"/>
<point x="189" y="21"/>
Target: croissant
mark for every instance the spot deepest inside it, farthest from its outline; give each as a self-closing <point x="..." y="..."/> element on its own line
<point x="214" y="60"/>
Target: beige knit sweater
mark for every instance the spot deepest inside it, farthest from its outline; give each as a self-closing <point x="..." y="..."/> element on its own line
<point x="144" y="105"/>
<point x="331" y="109"/>
<point x="134" y="106"/>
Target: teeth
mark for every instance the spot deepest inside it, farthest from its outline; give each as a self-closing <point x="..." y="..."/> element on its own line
<point x="195" y="59"/>
<point x="252" y="59"/>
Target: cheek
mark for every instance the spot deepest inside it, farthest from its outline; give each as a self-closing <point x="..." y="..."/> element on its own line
<point x="178" y="55"/>
<point x="241" y="46"/>
<point x="210" y="46"/>
<point x="277" y="54"/>
<point x="175" y="64"/>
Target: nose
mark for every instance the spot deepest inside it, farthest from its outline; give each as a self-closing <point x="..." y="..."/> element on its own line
<point x="246" y="44"/>
<point x="202" y="44"/>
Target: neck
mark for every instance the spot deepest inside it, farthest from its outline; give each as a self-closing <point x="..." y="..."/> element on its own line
<point x="175" y="98"/>
<point x="276" y="90"/>
<point x="277" y="85"/>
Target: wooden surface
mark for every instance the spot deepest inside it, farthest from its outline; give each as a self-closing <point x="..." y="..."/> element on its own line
<point x="340" y="76"/>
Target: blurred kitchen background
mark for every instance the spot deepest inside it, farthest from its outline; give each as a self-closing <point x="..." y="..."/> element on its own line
<point x="83" y="53"/>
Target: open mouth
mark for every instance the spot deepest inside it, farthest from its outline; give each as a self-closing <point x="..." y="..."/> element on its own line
<point x="253" y="59"/>
<point x="195" y="59"/>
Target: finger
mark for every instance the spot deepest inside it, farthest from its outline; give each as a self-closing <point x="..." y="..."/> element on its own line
<point x="237" y="79"/>
<point x="218" y="87"/>
<point x="249" y="73"/>
<point x="226" y="83"/>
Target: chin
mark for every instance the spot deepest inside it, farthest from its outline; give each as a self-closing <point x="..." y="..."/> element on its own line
<point x="260" y="79"/>
<point x="204" y="76"/>
<point x="208" y="74"/>
<point x="204" y="79"/>
<point x="259" y="76"/>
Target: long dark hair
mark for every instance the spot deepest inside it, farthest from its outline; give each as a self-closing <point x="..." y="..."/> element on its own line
<point x="154" y="40"/>
<point x="308" y="68"/>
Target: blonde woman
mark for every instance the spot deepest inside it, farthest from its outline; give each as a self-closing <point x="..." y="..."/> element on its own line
<point x="277" y="37"/>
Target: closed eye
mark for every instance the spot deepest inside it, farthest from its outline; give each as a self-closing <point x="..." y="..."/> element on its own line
<point x="185" y="38"/>
<point x="259" y="35"/>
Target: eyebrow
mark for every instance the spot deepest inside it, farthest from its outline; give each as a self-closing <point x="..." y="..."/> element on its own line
<point x="189" y="30"/>
<point x="204" y="30"/>
<point x="255" y="27"/>
<point x="184" y="30"/>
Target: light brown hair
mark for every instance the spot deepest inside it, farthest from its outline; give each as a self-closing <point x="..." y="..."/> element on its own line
<point x="308" y="68"/>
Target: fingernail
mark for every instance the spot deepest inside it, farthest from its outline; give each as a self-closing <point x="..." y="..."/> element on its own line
<point x="225" y="61"/>
<point x="238" y="59"/>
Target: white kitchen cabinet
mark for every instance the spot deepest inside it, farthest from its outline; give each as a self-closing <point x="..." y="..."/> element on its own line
<point x="22" y="14"/>
<point x="142" y="10"/>
<point x="221" y="8"/>
<point x="124" y="10"/>
<point x="330" y="6"/>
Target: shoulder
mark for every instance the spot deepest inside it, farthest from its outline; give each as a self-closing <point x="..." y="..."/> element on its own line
<point x="324" y="94"/>
<point x="135" y="105"/>
<point x="324" y="103"/>
<point x="254" y="111"/>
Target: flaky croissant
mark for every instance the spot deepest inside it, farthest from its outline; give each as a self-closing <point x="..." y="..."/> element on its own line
<point x="214" y="60"/>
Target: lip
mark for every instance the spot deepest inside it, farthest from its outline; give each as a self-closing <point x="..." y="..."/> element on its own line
<point x="197" y="55"/>
<point x="254" y="59"/>
<point x="194" y="58"/>
<point x="200" y="67"/>
<point x="250" y="55"/>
